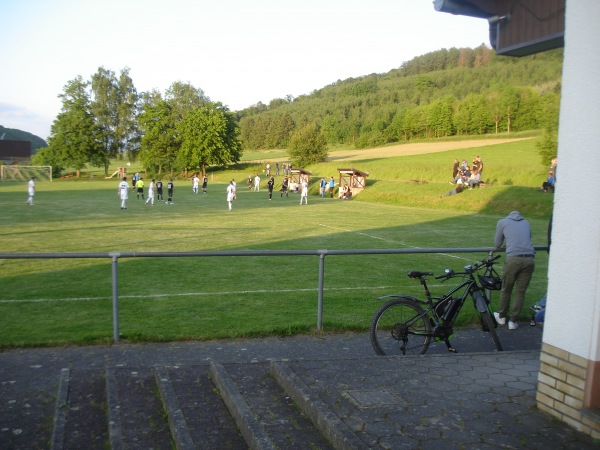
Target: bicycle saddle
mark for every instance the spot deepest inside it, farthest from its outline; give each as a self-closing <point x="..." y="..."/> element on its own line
<point x="417" y="274"/>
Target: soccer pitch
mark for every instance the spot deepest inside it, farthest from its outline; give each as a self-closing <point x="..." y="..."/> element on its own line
<point x="60" y="301"/>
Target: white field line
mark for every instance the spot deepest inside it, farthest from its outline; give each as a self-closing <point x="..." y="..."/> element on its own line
<point x="260" y="291"/>
<point x="192" y="294"/>
<point x="387" y="240"/>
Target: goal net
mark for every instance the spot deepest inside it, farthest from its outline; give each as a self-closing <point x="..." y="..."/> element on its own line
<point x="24" y="173"/>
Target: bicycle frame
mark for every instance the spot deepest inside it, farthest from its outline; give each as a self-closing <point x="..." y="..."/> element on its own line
<point x="442" y="327"/>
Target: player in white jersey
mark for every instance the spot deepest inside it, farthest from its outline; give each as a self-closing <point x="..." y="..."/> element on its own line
<point x="123" y="192"/>
<point x="304" y="192"/>
<point x="150" y="193"/>
<point x="230" y="194"/>
<point x="31" y="190"/>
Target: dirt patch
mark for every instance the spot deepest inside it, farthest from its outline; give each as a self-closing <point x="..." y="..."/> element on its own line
<point x="414" y="149"/>
<point x="408" y="149"/>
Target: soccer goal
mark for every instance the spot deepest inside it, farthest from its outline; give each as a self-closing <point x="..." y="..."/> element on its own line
<point x="24" y="173"/>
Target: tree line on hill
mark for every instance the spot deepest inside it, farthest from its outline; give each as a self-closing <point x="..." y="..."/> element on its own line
<point x="439" y="94"/>
<point x="444" y="93"/>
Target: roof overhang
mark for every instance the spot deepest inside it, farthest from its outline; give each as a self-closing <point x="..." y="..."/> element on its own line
<point x="516" y="28"/>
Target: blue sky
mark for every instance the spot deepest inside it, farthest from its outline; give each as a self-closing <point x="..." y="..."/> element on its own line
<point x="239" y="52"/>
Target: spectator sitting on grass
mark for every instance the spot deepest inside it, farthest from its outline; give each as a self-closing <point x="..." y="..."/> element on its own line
<point x="474" y="179"/>
<point x="347" y="193"/>
<point x="457" y="190"/>
<point x="549" y="183"/>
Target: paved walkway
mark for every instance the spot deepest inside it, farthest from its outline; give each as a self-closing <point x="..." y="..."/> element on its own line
<point x="477" y="398"/>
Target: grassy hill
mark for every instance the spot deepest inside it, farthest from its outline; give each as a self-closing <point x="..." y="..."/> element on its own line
<point x="444" y="93"/>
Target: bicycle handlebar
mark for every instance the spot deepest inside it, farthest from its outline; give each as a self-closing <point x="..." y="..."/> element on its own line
<point x="447" y="275"/>
<point x="450" y="273"/>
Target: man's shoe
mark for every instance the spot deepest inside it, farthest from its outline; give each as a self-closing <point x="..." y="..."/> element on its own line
<point x="536" y="308"/>
<point x="512" y="325"/>
<point x="500" y="320"/>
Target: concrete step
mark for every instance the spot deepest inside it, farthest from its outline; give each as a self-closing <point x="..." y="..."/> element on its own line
<point x="135" y="412"/>
<point x="80" y="416"/>
<point x="285" y="425"/>
<point x="213" y="406"/>
<point x="197" y="414"/>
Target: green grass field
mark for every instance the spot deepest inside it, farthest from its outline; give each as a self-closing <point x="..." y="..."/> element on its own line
<point x="68" y="301"/>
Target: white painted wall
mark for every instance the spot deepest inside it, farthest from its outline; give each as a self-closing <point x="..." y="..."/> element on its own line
<point x="573" y="310"/>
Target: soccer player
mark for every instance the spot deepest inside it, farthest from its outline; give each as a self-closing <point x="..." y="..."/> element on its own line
<point x="170" y="191"/>
<point x="195" y="183"/>
<point x="271" y="185"/>
<point x="204" y="184"/>
<point x="31" y="191"/>
<point x="159" y="190"/>
<point x="304" y="192"/>
<point x="139" y="185"/>
<point x="256" y="183"/>
<point x="151" y="193"/>
<point x="123" y="192"/>
<point x="230" y="194"/>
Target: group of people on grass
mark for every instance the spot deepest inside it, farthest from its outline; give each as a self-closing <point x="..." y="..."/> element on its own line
<point x="464" y="175"/>
<point x="300" y="186"/>
<point x="155" y="189"/>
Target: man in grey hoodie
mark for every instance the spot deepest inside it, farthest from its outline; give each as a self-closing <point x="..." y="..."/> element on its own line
<point x="514" y="231"/>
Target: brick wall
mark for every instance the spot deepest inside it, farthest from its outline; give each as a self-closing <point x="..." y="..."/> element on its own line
<point x="562" y="389"/>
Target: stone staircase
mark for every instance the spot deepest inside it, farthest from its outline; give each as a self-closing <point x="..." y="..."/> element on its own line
<point x="212" y="406"/>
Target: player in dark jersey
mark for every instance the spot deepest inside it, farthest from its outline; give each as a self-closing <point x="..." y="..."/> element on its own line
<point x="204" y="184"/>
<point x="170" y="190"/>
<point x="159" y="190"/>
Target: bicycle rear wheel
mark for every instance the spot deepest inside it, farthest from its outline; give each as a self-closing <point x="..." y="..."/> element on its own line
<point x="400" y="327"/>
<point x="490" y="323"/>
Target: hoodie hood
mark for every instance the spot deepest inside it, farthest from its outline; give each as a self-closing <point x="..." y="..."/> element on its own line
<point x="515" y="215"/>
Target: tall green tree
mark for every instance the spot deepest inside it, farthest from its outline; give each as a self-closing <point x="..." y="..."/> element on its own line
<point x="547" y="144"/>
<point x="159" y="144"/>
<point x="509" y="100"/>
<point x="308" y="145"/>
<point x="279" y="131"/>
<point x="75" y="138"/>
<point x="209" y="136"/>
<point x="115" y="105"/>
<point x="441" y="116"/>
<point x="184" y="98"/>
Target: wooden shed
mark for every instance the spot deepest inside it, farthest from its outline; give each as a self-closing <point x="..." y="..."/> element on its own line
<point x="354" y="179"/>
<point x="296" y="177"/>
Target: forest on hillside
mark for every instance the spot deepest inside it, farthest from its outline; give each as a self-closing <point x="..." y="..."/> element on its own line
<point x="443" y="93"/>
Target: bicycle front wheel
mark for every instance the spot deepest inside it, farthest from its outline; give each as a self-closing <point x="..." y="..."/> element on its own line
<point x="490" y="324"/>
<point x="400" y="327"/>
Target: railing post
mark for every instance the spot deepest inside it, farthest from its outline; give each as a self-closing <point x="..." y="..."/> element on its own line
<point x="322" y="254"/>
<point x="115" y="296"/>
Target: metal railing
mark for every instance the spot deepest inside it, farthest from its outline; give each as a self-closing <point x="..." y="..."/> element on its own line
<point x="115" y="256"/>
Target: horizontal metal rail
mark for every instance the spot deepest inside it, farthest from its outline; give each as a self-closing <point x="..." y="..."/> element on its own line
<point x="115" y="256"/>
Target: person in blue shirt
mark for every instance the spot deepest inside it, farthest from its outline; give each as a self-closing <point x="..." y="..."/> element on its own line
<point x="548" y="185"/>
<point x="323" y="187"/>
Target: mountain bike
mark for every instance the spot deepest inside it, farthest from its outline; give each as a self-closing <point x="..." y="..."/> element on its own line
<point x="406" y="325"/>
